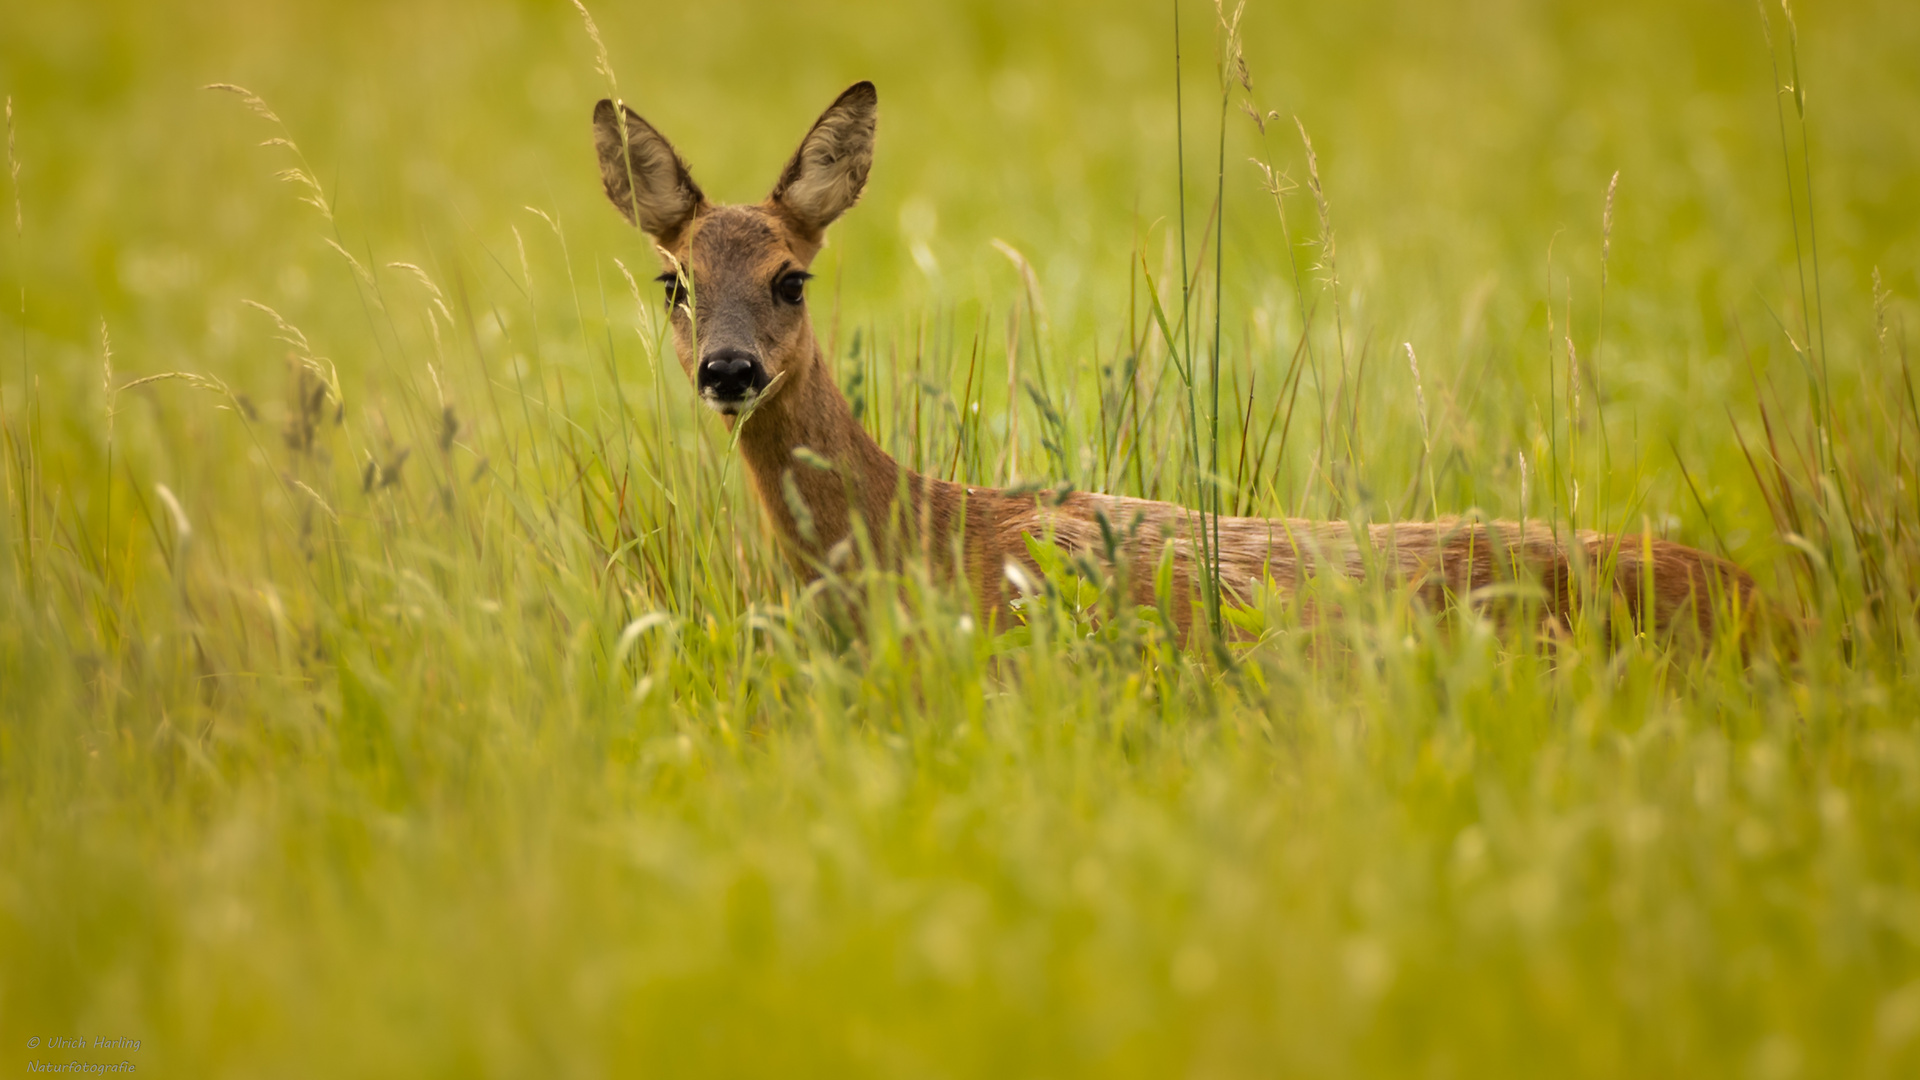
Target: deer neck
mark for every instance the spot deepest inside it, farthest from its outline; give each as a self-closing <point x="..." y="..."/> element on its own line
<point x="814" y="508"/>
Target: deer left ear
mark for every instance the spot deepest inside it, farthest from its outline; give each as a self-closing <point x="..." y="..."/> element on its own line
<point x="829" y="170"/>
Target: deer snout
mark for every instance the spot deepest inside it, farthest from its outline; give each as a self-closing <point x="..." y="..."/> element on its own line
<point x="730" y="376"/>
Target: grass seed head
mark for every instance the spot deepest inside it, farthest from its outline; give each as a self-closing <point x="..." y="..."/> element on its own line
<point x="601" y="63"/>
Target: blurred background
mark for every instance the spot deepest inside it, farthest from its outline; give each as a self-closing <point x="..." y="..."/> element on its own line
<point x="1459" y="144"/>
<point x="528" y="758"/>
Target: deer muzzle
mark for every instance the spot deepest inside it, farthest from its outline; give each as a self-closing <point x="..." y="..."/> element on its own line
<point x="729" y="378"/>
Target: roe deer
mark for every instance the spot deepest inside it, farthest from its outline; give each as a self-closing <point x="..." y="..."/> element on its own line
<point x="736" y="287"/>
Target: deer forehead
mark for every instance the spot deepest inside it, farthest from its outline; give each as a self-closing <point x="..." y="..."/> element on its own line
<point x="741" y="243"/>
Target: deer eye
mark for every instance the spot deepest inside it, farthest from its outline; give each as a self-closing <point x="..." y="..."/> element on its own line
<point x="791" y="288"/>
<point x="676" y="289"/>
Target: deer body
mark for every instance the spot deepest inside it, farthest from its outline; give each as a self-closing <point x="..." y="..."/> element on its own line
<point x="735" y="283"/>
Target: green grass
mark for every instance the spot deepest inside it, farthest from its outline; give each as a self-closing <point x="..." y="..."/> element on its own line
<point x="414" y="688"/>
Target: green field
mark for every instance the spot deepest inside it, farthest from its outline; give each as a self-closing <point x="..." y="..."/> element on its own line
<point x="397" y="676"/>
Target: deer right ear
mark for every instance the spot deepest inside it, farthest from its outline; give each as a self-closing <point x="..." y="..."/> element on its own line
<point x="645" y="178"/>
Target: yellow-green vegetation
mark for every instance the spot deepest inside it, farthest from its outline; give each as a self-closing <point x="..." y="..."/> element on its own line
<point x="396" y="677"/>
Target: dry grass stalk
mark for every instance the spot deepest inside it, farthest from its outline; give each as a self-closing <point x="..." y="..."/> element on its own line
<point x="302" y="174"/>
<point x="13" y="171"/>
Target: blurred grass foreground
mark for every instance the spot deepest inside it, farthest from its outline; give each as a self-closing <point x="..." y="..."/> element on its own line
<point x="396" y="677"/>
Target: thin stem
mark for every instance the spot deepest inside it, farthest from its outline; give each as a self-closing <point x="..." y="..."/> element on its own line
<point x="1186" y="336"/>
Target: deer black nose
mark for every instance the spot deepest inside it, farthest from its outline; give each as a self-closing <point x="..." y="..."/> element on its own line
<point x="729" y="374"/>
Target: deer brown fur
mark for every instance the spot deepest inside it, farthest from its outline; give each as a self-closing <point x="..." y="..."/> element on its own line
<point x="735" y="280"/>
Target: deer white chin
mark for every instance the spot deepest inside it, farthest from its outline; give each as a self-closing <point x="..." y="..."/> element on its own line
<point x="730" y="406"/>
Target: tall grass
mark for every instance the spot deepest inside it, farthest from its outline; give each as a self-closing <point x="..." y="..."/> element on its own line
<point x="396" y="674"/>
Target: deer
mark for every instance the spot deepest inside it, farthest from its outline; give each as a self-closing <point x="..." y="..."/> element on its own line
<point x="735" y="280"/>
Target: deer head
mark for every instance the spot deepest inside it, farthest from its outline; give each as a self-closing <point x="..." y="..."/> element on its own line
<point x="735" y="275"/>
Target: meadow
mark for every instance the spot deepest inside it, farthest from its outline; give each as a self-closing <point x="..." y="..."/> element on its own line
<point x="397" y="677"/>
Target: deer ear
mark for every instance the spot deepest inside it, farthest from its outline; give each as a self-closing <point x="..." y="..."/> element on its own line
<point x="645" y="178"/>
<point x="829" y="170"/>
